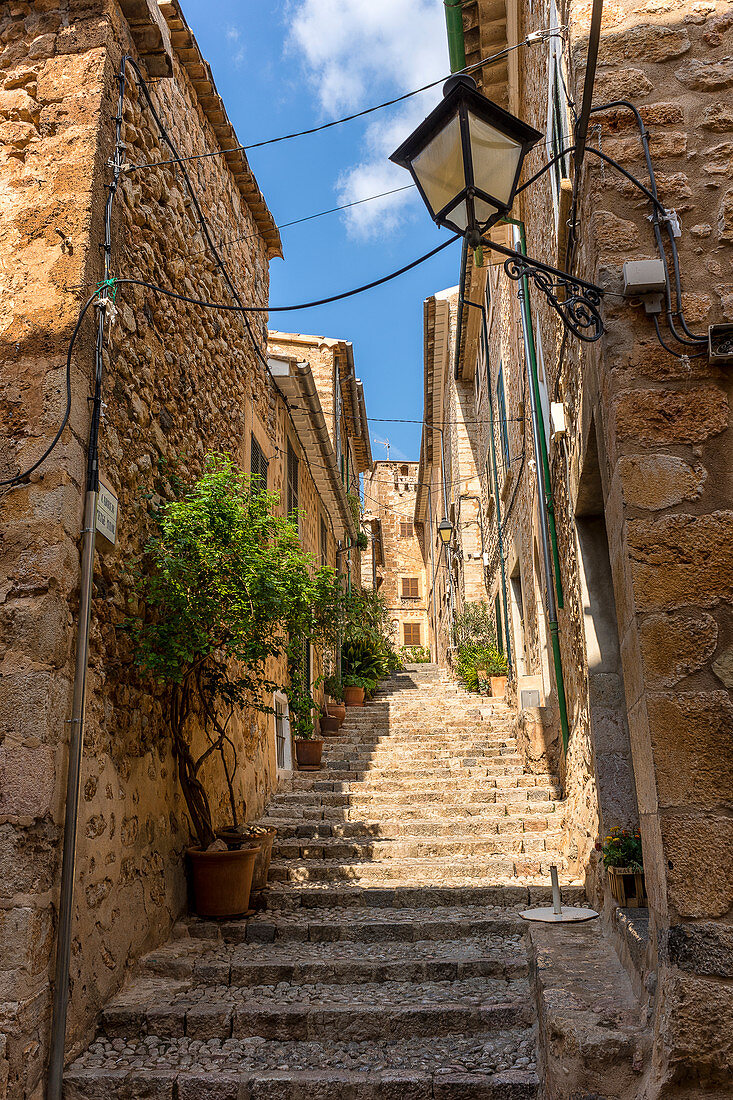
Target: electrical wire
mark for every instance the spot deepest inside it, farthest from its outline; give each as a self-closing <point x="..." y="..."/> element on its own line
<point x="491" y="59"/>
<point x="240" y="308"/>
<point x="20" y="477"/>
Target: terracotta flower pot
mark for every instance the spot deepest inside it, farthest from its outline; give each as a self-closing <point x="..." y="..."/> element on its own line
<point x="337" y="710"/>
<point x="251" y="836"/>
<point x="498" y="687"/>
<point x="329" y="724"/>
<point x="308" y="753"/>
<point x="222" y="881"/>
<point x="354" y="697"/>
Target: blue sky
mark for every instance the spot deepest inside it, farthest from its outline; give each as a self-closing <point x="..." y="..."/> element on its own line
<point x="285" y="65"/>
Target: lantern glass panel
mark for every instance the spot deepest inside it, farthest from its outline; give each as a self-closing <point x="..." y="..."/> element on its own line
<point x="496" y="158"/>
<point x="439" y="167"/>
<point x="458" y="216"/>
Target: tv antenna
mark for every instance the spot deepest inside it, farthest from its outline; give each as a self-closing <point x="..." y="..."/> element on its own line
<point x="383" y="443"/>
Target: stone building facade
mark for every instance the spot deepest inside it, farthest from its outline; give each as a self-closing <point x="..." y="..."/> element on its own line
<point x="394" y="561"/>
<point x="639" y="454"/>
<point x="179" y="381"/>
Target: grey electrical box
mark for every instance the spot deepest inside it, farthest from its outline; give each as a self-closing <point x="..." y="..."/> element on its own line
<point x="643" y="277"/>
<point x="720" y="345"/>
<point x="529" y="697"/>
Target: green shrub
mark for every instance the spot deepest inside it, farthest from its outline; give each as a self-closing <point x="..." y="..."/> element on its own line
<point x="415" y="654"/>
<point x="476" y="646"/>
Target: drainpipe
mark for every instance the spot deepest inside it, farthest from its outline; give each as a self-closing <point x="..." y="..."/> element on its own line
<point x="497" y="498"/>
<point x="546" y="515"/>
<point x="454" y="26"/>
<point x="534" y="389"/>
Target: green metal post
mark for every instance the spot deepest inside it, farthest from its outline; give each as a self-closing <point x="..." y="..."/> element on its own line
<point x="456" y="44"/>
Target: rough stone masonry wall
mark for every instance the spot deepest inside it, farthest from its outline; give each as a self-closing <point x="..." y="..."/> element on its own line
<point x="389" y="495"/>
<point x="179" y="382"/>
<point x="665" y="448"/>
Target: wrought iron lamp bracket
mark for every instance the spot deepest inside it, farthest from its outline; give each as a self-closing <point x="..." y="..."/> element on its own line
<point x="579" y="306"/>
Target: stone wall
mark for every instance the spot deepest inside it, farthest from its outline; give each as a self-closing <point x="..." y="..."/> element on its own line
<point x="643" y="503"/>
<point x="179" y="381"/>
<point x="389" y="496"/>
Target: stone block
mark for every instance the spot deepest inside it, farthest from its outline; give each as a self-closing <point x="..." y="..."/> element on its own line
<point x="659" y="480"/>
<point x="633" y="84"/>
<point x="702" y="948"/>
<point x="675" y="645"/>
<point x="725" y="219"/>
<point x="697" y="1035"/>
<point x="706" y="75"/>
<point x="696" y="850"/>
<point x="614" y="234"/>
<point x="653" y="417"/>
<point x="27" y="777"/>
<point x="691" y="733"/>
<point x="681" y="560"/>
<point x="645" y="42"/>
<point x="718" y="118"/>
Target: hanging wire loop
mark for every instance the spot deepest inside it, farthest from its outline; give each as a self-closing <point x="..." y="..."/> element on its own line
<point x="579" y="306"/>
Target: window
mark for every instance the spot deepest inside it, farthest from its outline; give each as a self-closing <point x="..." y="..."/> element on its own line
<point x="405" y="471"/>
<point x="557" y="110"/>
<point x="292" y="480"/>
<point x="412" y="633"/>
<point x="410" y="590"/>
<point x="324" y="543"/>
<point x="258" y="466"/>
<point x="501" y="417"/>
<point x="406" y="529"/>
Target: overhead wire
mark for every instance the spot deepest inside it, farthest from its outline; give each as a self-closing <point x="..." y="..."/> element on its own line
<point x="490" y="59"/>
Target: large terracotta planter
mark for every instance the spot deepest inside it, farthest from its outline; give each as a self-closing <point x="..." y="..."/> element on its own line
<point x="308" y="753"/>
<point x="337" y="710"/>
<point x="222" y="881"/>
<point x="498" y="687"/>
<point x="628" y="887"/>
<point x="329" y="724"/>
<point x="251" y="836"/>
<point x="354" y="697"/>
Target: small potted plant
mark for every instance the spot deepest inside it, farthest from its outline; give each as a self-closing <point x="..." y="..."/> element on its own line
<point x="622" y="857"/>
<point x="336" y="708"/>
<point x="353" y="690"/>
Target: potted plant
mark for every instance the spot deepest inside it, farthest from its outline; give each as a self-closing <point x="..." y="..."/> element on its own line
<point x="334" y="688"/>
<point x="622" y="857"/>
<point x="329" y="723"/>
<point x="353" y="690"/>
<point x="222" y="587"/>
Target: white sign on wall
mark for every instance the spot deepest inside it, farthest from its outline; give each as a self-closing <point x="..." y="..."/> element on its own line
<point x="107" y="514"/>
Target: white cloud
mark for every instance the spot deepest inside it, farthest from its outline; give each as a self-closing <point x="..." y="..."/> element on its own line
<point x="234" y="37"/>
<point x="356" y="53"/>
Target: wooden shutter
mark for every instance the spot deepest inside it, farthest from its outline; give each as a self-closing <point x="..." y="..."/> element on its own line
<point x="405" y="529"/>
<point x="324" y="543"/>
<point x="412" y="633"/>
<point x="409" y="588"/>
<point x="258" y="465"/>
<point x="292" y="478"/>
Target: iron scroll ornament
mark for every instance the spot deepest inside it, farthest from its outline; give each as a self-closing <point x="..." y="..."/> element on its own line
<point x="578" y="311"/>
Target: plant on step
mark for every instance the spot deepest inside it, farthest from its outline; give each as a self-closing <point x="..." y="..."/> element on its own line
<point x="367" y="648"/>
<point x="415" y="654"/>
<point x="221" y="586"/>
<point x="622" y="848"/>
<point x="333" y="686"/>
<point x="476" y="648"/>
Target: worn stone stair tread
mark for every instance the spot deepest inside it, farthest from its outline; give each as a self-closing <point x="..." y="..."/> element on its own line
<point x="496" y="1065"/>
<point x="408" y="828"/>
<point x="512" y="893"/>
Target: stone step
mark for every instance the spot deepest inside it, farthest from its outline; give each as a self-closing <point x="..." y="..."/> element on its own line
<point x="457" y="795"/>
<point x="513" y="895"/>
<point x="451" y="779"/>
<point x="381" y="1009"/>
<point x="412" y="871"/>
<point x="414" y="848"/>
<point x="437" y="809"/>
<point x="495" y="1065"/>
<point x="393" y="828"/>
<point x="193" y="937"/>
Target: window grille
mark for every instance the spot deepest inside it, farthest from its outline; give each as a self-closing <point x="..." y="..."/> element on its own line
<point x="292" y="480"/>
<point x="280" y="733"/>
<point x="258" y="466"/>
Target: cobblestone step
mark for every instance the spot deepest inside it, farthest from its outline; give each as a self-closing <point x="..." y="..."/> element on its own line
<point x="492" y="1066"/>
<point x="437" y="809"/>
<point x="451" y="778"/>
<point x="408" y="827"/>
<point x="412" y="871"/>
<point x="513" y="894"/>
<point x="378" y="849"/>
<point x="384" y="797"/>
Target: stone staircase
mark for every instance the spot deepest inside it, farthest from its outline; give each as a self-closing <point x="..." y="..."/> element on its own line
<point x="390" y="960"/>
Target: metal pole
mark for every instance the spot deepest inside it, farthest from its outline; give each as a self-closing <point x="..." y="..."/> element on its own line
<point x="454" y="26"/>
<point x="546" y="554"/>
<point x="76" y="737"/>
<point x="556" y="900"/>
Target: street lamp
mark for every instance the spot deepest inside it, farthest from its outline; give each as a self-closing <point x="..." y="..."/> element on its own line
<point x="465" y="159"/>
<point x="445" y="531"/>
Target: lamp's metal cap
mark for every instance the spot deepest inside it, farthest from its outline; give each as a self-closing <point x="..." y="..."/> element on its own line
<point x="461" y="79"/>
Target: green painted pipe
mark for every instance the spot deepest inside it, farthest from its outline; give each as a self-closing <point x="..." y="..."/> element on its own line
<point x="532" y="352"/>
<point x="456" y="43"/>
